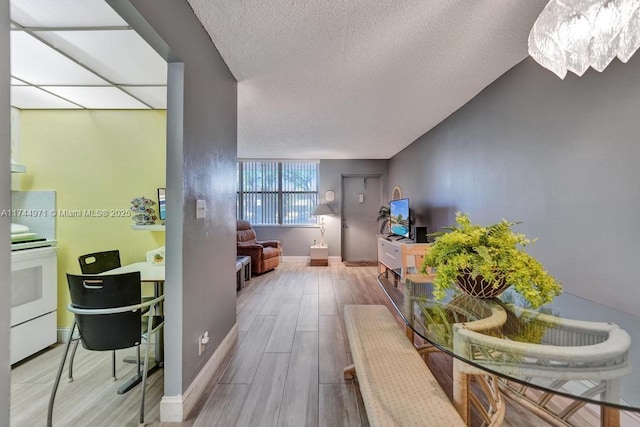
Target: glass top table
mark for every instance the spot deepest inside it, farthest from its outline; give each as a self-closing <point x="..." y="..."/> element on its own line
<point x="572" y="347"/>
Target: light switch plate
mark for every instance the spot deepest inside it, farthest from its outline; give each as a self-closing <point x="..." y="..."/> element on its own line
<point x="201" y="208"/>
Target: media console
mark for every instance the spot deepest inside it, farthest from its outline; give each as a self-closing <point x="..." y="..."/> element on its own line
<point x="390" y="252"/>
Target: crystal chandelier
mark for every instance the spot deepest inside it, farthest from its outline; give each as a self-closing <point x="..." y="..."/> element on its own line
<point x="575" y="34"/>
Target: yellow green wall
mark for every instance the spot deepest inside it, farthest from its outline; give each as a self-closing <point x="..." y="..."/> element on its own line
<point x="94" y="159"/>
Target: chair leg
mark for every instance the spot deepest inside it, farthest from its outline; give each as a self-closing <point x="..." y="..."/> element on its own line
<point x="76" y="341"/>
<point x="52" y="398"/>
<point x="146" y="366"/>
<point x="113" y="366"/>
<point x="349" y="372"/>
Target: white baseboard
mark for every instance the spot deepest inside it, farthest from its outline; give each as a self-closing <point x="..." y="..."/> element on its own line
<point x="63" y="335"/>
<point x="174" y="409"/>
<point x="295" y="259"/>
<point x="307" y="259"/>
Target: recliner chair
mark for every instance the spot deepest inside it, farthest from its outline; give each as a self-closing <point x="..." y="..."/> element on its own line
<point x="265" y="255"/>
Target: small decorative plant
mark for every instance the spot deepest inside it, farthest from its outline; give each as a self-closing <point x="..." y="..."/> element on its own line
<point x="384" y="214"/>
<point x="493" y="255"/>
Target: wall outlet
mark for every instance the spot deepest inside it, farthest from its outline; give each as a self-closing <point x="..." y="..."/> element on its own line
<point x="203" y="340"/>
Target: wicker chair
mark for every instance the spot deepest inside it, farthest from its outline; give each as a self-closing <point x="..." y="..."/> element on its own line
<point x="412" y="259"/>
<point x="413" y="256"/>
<point x="595" y="353"/>
<point x="490" y="407"/>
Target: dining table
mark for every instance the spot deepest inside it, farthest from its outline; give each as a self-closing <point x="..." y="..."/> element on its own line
<point x="149" y="273"/>
<point x="572" y="347"/>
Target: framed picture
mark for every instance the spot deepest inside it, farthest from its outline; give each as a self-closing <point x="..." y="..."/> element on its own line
<point x="162" y="204"/>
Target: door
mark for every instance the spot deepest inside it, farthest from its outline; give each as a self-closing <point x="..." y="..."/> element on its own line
<point x="361" y="200"/>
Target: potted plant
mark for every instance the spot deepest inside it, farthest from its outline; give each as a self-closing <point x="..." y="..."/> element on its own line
<point x="484" y="260"/>
<point x="384" y="214"/>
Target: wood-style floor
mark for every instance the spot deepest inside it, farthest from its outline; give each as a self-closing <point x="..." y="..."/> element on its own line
<point x="285" y="370"/>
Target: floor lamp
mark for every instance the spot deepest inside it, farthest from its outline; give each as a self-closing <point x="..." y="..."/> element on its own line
<point x="321" y="210"/>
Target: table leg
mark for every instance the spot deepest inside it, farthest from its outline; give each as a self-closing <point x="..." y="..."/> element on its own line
<point x="409" y="333"/>
<point x="609" y="417"/>
<point x="159" y="356"/>
<point x="461" y="392"/>
<point x="239" y="276"/>
<point x="137" y="378"/>
<point x="247" y="271"/>
<point x="154" y="362"/>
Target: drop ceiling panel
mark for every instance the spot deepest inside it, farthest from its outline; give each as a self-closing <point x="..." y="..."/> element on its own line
<point x="64" y="13"/>
<point x="16" y="82"/>
<point x="98" y="97"/>
<point x="156" y="96"/>
<point x="121" y="56"/>
<point x="36" y="63"/>
<point x="27" y="97"/>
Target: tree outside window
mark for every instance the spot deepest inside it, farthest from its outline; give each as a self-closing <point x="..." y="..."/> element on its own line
<point x="277" y="192"/>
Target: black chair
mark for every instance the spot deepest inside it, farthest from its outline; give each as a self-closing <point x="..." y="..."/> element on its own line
<point x="108" y="315"/>
<point x="99" y="262"/>
<point x="96" y="263"/>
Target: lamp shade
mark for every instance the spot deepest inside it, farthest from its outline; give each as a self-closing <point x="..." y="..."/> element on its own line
<point x="322" y="209"/>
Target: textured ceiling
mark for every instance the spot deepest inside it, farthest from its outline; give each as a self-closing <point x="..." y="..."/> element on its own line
<point x="359" y="79"/>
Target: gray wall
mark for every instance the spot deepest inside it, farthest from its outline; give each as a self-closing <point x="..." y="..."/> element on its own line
<point x="5" y="203"/>
<point x="201" y="164"/>
<point x="296" y="240"/>
<point x="560" y="156"/>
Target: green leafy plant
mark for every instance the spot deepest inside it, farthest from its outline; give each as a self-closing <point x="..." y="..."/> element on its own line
<point x="496" y="254"/>
<point x="384" y="214"/>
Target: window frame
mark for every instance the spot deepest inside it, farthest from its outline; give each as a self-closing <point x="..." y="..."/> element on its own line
<point x="279" y="192"/>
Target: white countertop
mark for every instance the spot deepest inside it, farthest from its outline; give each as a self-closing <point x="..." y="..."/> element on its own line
<point x="148" y="271"/>
<point x="33" y="245"/>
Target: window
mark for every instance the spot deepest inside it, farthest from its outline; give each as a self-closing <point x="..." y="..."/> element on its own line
<point x="277" y="193"/>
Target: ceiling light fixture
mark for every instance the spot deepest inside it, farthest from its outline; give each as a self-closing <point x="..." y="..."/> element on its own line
<point x="575" y="34"/>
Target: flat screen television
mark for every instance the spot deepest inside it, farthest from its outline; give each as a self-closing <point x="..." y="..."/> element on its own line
<point x="399" y="217"/>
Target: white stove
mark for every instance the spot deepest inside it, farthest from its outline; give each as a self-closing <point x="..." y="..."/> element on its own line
<point x="33" y="244"/>
<point x="34" y="281"/>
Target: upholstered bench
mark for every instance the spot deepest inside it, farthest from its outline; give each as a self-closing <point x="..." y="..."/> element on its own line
<point x="397" y="387"/>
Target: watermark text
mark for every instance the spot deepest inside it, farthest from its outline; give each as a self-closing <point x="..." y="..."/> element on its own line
<point x="66" y="213"/>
